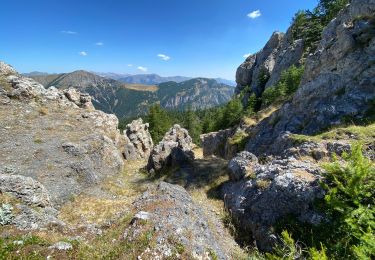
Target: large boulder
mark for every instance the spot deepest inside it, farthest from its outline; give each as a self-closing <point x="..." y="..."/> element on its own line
<point x="29" y="191"/>
<point x="241" y="165"/>
<point x="175" y="149"/>
<point x="138" y="140"/>
<point x="281" y="188"/>
<point x="178" y="226"/>
<point x="82" y="100"/>
<point x="338" y="84"/>
<point x="215" y="143"/>
<point x="33" y="209"/>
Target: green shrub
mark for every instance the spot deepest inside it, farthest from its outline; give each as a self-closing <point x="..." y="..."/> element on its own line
<point x="348" y="231"/>
<point x="285" y="87"/>
<point x="159" y="121"/>
<point x="350" y="203"/>
<point x="287" y="249"/>
<point x="308" y="25"/>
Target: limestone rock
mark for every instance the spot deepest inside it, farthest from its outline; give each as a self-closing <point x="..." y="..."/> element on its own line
<point x="26" y="189"/>
<point x="177" y="220"/>
<point x="6" y="69"/>
<point x="69" y="145"/>
<point x="261" y="63"/>
<point x="338" y="83"/>
<point x="138" y="140"/>
<point x="277" y="189"/>
<point x="174" y="149"/>
<point x="214" y="143"/>
<point x="290" y="53"/>
<point x="82" y="100"/>
<point x="241" y="165"/>
<point x="62" y="246"/>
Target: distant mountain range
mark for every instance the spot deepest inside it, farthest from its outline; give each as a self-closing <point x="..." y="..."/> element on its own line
<point x="146" y="79"/>
<point x="133" y="99"/>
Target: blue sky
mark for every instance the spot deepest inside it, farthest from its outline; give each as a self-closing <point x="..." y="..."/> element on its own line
<point x="197" y="37"/>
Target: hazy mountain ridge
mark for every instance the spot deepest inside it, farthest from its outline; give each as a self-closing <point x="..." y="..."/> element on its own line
<point x="122" y="99"/>
<point x="147" y="79"/>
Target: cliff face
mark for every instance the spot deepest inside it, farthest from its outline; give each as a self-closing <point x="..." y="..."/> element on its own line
<point x="338" y="83"/>
<point x="338" y="87"/>
<point x="197" y="93"/>
<point x="263" y="69"/>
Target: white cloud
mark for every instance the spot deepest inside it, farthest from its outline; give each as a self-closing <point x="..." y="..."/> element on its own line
<point x="164" y="57"/>
<point x="69" y="32"/>
<point x="246" y="55"/>
<point x="254" y="14"/>
<point x="83" y="53"/>
<point x="130" y="65"/>
<point x="144" y="69"/>
<point x="99" y="44"/>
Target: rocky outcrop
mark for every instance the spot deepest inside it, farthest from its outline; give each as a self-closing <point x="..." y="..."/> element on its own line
<point x="180" y="226"/>
<point x="261" y="195"/>
<point x="80" y="99"/>
<point x="138" y="140"/>
<point x="338" y="84"/>
<point x="26" y="189"/>
<point x="214" y="143"/>
<point x="199" y="93"/>
<point x="53" y="144"/>
<point x="174" y="150"/>
<point x="264" y="68"/>
<point x="243" y="164"/>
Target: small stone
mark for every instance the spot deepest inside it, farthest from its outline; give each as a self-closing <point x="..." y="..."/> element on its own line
<point x="62" y="246"/>
<point x="142" y="215"/>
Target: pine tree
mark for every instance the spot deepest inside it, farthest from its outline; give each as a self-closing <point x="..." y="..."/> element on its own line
<point x="159" y="122"/>
<point x="192" y="124"/>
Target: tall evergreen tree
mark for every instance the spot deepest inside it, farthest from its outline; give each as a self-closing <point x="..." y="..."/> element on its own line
<point x="159" y="121"/>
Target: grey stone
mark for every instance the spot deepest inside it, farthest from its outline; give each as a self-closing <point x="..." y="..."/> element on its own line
<point x="179" y="219"/>
<point x="338" y="83"/>
<point x="26" y="189"/>
<point x="138" y="140"/>
<point x="174" y="149"/>
<point x="214" y="143"/>
<point x="241" y="165"/>
<point x="278" y="189"/>
<point x="256" y="65"/>
<point x="62" y="246"/>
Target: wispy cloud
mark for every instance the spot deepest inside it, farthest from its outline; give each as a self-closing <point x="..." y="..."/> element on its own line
<point x="144" y="69"/>
<point x="68" y="32"/>
<point x="246" y="55"/>
<point x="164" y="57"/>
<point x="254" y="14"/>
<point x="99" y="43"/>
<point x="83" y="53"/>
<point x="130" y="65"/>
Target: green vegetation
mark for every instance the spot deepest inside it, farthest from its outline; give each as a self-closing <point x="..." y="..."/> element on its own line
<point x="222" y="117"/>
<point x="308" y="25"/>
<point x="159" y="121"/>
<point x="196" y="122"/>
<point x="348" y="231"/>
<point x="285" y="87"/>
<point x="239" y="139"/>
<point x="364" y="134"/>
<point x="350" y="202"/>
